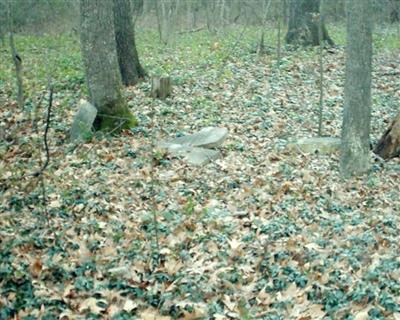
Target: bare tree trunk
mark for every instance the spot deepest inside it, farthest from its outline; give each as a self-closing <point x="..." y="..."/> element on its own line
<point x="210" y="15"/>
<point x="165" y="20"/>
<point x="159" y="26"/>
<point x="285" y="12"/>
<point x="394" y="11"/>
<point x="357" y="93"/>
<point x="16" y="59"/>
<point x="208" y="18"/>
<point x="176" y="14"/>
<point x="278" y="53"/>
<point x="3" y="23"/>
<point x="101" y="66"/>
<point x="137" y="10"/>
<point x="303" y="27"/>
<point x="222" y="13"/>
<point x="236" y="10"/>
<point x="321" y="69"/>
<point x="261" y="45"/>
<point x="189" y="20"/>
<point x="196" y="10"/>
<point x="128" y="59"/>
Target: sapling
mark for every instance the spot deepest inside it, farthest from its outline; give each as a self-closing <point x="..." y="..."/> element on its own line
<point x="321" y="71"/>
<point x="16" y="59"/>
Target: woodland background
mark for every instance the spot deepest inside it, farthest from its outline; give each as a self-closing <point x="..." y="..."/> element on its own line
<point x="115" y="228"/>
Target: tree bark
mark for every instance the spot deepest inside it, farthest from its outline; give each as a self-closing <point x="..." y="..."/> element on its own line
<point x="164" y="11"/>
<point x="389" y="144"/>
<point x="357" y="93"/>
<point x="394" y="11"/>
<point x="303" y="24"/>
<point x="16" y="59"/>
<point x="101" y="66"/>
<point x="128" y="59"/>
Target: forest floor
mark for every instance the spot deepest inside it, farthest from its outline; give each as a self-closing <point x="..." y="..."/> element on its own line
<point x="261" y="233"/>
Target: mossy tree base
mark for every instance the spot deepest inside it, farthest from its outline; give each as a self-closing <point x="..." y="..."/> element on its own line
<point x="115" y="121"/>
<point x="107" y="124"/>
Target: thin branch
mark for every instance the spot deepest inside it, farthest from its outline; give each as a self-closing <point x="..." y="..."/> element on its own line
<point x="46" y="145"/>
<point x="152" y="183"/>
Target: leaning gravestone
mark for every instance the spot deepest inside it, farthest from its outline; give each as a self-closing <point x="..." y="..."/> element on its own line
<point x="83" y="121"/>
<point x="194" y="148"/>
<point x="322" y="145"/>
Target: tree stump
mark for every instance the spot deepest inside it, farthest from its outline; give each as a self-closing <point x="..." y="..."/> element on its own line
<point x="389" y="144"/>
<point x="161" y="87"/>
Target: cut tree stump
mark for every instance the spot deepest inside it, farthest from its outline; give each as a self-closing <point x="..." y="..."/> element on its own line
<point x="388" y="145"/>
<point x="161" y="87"/>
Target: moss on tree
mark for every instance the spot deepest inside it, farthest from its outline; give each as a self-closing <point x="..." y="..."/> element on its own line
<point x="115" y="116"/>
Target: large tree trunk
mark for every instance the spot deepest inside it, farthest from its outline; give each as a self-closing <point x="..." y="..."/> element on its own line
<point x="304" y="24"/>
<point x="128" y="59"/>
<point x="357" y="93"/>
<point x="101" y="66"/>
<point x="389" y="144"/>
<point x="165" y="10"/>
<point x="394" y="11"/>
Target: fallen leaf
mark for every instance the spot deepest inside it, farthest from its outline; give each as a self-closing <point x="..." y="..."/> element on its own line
<point x="91" y="304"/>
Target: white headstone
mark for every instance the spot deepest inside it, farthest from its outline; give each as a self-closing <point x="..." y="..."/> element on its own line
<point x="83" y="121"/>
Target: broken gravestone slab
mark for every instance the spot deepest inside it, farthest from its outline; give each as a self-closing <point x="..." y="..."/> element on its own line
<point x="194" y="148"/>
<point x="322" y="145"/>
<point x="199" y="156"/>
<point x="83" y="121"/>
<point x="193" y="155"/>
<point x="209" y="137"/>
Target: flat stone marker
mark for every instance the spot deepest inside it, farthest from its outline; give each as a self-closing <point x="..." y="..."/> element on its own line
<point x="209" y="137"/>
<point x="322" y="145"/>
<point x="194" y="155"/>
<point x="83" y="121"/>
<point x="194" y="147"/>
<point x="200" y="156"/>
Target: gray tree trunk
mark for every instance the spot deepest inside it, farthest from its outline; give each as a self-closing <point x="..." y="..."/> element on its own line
<point x="165" y="10"/>
<point x="101" y="66"/>
<point x="394" y="11"/>
<point x="16" y="59"/>
<point x="128" y="59"/>
<point x="357" y="93"/>
<point x="304" y="24"/>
